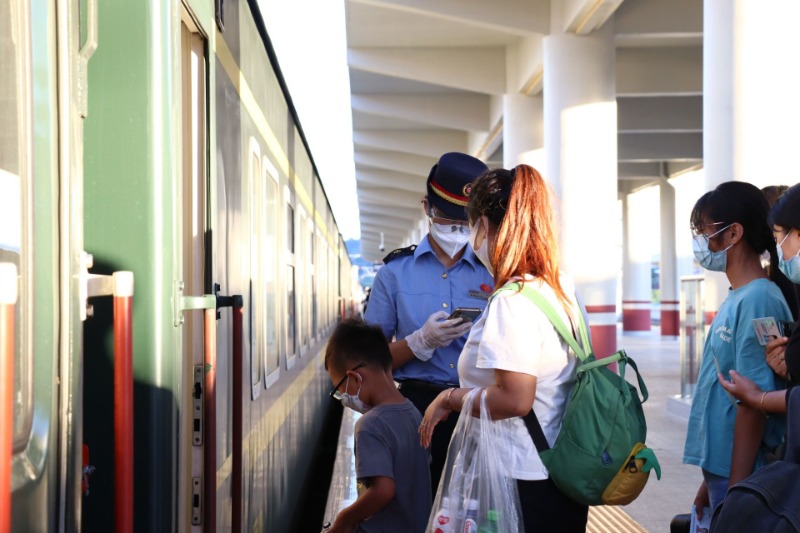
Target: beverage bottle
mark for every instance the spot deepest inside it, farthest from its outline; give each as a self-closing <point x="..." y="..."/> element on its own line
<point x="441" y="522"/>
<point x="471" y="520"/>
<point x="491" y="525"/>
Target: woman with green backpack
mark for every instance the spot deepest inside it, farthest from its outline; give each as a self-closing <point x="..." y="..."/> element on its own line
<point x="723" y="438"/>
<point x="513" y="350"/>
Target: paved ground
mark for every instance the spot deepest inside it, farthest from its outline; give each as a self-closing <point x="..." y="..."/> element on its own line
<point x="658" y="359"/>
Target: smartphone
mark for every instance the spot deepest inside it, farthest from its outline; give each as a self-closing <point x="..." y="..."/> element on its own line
<point x="467" y="313"/>
<point x="787" y="327"/>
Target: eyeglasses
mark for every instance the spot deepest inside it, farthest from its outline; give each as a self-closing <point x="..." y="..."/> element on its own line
<point x="456" y="226"/>
<point x="335" y="393"/>
<point x="698" y="230"/>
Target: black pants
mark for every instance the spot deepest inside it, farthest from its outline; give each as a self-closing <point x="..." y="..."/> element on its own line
<point x="441" y="434"/>
<point x="545" y="509"/>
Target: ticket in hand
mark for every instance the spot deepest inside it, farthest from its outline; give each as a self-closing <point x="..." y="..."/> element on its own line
<point x="766" y="329"/>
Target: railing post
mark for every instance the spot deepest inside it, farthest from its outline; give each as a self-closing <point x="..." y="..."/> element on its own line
<point x="210" y="409"/>
<point x="8" y="299"/>
<point x="123" y="400"/>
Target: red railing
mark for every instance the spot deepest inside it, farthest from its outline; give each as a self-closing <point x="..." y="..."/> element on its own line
<point x="8" y="300"/>
<point x="210" y="409"/>
<point x="123" y="401"/>
<point x="120" y="286"/>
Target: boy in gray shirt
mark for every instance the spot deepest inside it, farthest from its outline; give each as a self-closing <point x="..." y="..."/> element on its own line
<point x="391" y="465"/>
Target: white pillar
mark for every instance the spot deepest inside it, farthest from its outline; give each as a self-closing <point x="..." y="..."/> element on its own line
<point x="580" y="127"/>
<point x="668" y="280"/>
<point x="750" y="104"/>
<point x="523" y="131"/>
<point x="638" y="238"/>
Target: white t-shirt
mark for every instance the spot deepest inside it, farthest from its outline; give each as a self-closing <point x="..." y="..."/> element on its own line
<point x="513" y="334"/>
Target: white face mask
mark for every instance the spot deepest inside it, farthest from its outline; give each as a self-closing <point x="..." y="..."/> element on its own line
<point x="354" y="402"/>
<point x="714" y="261"/>
<point x="790" y="267"/>
<point x="450" y="238"/>
<point x="483" y="252"/>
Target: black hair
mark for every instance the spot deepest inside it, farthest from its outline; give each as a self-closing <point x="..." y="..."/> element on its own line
<point x="773" y="192"/>
<point x="354" y="342"/>
<point x="489" y="196"/>
<point x="786" y="211"/>
<point x="745" y="204"/>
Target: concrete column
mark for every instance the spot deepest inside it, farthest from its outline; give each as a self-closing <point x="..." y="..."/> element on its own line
<point x="750" y="104"/>
<point x="580" y="128"/>
<point x="523" y="131"/>
<point x="636" y="277"/>
<point x="668" y="280"/>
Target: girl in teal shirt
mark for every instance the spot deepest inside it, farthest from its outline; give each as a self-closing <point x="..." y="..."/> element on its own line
<point x="724" y="439"/>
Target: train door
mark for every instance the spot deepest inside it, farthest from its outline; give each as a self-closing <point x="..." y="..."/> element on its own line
<point x="40" y="249"/>
<point x="195" y="261"/>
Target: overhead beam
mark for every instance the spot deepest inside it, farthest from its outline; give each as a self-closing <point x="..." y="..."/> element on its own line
<point x="457" y="111"/>
<point x="584" y="16"/>
<point x="659" y="71"/>
<point x="428" y="143"/>
<point x="665" y="17"/>
<point x="390" y="179"/>
<point x="648" y="147"/>
<point x="522" y="17"/>
<point x="665" y="114"/>
<point x="477" y="69"/>
<point x="399" y="162"/>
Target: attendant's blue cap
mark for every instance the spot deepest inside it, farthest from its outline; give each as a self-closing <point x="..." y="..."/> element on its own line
<point x="450" y="181"/>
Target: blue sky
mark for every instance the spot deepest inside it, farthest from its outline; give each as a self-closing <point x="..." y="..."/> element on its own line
<point x="310" y="42"/>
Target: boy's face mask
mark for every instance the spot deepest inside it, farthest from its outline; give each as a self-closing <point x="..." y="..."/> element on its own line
<point x="353" y="402"/>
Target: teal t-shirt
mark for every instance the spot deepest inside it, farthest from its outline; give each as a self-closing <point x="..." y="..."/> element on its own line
<point x="732" y="339"/>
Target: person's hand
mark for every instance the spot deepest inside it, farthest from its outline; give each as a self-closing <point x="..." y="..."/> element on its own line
<point x="742" y="388"/>
<point x="701" y="500"/>
<point x="339" y="527"/>
<point x="437" y="411"/>
<point x="776" y="349"/>
<point x="435" y="333"/>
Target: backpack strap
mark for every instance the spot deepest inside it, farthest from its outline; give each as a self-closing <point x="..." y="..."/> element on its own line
<point x="530" y="419"/>
<point x="793" y="423"/>
<point x="541" y="302"/>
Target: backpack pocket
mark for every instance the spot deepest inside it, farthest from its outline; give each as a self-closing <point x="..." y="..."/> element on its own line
<point x="632" y="476"/>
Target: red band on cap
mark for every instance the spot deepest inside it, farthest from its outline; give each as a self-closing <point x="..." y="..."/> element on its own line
<point x="447" y="195"/>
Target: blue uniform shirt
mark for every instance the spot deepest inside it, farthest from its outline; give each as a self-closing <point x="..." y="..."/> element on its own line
<point x="411" y="288"/>
<point x="732" y="339"/>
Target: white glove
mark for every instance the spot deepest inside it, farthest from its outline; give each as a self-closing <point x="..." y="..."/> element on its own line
<point x="435" y="333"/>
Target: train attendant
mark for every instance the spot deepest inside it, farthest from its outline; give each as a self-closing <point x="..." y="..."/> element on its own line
<point x="513" y="350"/>
<point x="418" y="287"/>
<point x="391" y="466"/>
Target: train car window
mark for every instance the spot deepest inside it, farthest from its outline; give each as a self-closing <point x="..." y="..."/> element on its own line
<point x="304" y="276"/>
<point x="314" y="282"/>
<point x="16" y="198"/>
<point x="269" y="272"/>
<point x="291" y="318"/>
<point x="257" y="285"/>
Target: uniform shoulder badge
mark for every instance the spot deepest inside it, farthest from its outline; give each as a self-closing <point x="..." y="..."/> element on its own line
<point x="400" y="252"/>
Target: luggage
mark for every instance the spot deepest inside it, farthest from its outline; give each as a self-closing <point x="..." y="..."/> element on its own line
<point x="769" y="499"/>
<point x="599" y="457"/>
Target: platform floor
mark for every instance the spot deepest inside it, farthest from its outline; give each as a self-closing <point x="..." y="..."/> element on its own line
<point x="658" y="360"/>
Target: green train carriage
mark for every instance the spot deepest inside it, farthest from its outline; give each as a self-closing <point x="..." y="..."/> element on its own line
<point x="173" y="152"/>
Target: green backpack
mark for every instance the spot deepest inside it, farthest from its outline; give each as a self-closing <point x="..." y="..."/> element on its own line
<point x="599" y="456"/>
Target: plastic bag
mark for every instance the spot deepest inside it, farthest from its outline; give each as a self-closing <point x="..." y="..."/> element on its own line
<point x="475" y="492"/>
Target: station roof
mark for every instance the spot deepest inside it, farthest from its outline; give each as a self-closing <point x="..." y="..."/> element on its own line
<point x="428" y="77"/>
